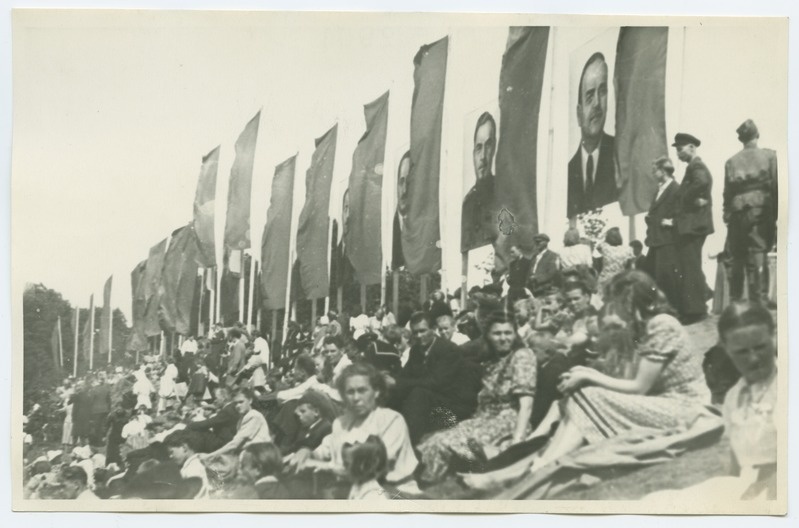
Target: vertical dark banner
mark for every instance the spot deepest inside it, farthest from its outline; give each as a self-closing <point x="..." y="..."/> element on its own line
<point x="55" y="344"/>
<point x="138" y="340"/>
<point x="421" y="235"/>
<point x="275" y="244"/>
<point x="204" y="200"/>
<point x="178" y="280"/>
<point x="86" y="334"/>
<point x="237" y="224"/>
<point x="105" y="319"/>
<point x="314" y="221"/>
<point x="364" y="234"/>
<point x="152" y="283"/>
<point x="401" y="213"/>
<point x="520" y="85"/>
<point x="640" y="80"/>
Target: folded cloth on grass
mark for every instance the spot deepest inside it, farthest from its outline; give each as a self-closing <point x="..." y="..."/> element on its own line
<point x="637" y="447"/>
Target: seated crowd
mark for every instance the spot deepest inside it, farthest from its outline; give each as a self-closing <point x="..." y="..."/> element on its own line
<point x="368" y="409"/>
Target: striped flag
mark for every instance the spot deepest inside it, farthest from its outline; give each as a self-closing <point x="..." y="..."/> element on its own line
<point x="204" y="201"/>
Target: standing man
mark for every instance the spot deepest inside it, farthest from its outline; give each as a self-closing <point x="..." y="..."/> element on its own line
<point x="592" y="170"/>
<point x="750" y="212"/>
<point x="545" y="269"/>
<point x="694" y="223"/>
<point x="238" y="352"/>
<point x="478" y="226"/>
<point x="518" y="271"/>
<point x="661" y="237"/>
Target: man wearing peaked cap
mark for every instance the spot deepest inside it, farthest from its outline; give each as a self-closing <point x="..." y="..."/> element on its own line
<point x="694" y="222"/>
<point x="750" y="212"/>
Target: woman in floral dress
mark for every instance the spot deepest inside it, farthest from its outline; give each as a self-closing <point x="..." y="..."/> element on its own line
<point x="504" y="404"/>
<point x="615" y="257"/>
<point x="667" y="389"/>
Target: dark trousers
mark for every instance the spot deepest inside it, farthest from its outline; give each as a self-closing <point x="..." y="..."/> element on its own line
<point x="663" y="262"/>
<point x="693" y="289"/>
<point x="750" y="235"/>
<point x="424" y="410"/>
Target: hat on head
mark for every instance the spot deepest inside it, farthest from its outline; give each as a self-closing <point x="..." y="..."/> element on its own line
<point x="685" y="139"/>
<point x="747" y="131"/>
<point x="542" y="237"/>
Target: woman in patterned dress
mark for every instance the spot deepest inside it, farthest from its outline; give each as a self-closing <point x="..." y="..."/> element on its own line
<point x="615" y="257"/>
<point x="667" y="389"/>
<point x="504" y="406"/>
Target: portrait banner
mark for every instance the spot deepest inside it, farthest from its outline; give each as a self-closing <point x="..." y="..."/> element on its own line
<point x="592" y="180"/>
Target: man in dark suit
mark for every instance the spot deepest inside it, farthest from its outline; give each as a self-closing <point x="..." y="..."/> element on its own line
<point x="592" y="170"/>
<point x="403" y="169"/>
<point x="750" y="212"/>
<point x="429" y="391"/>
<point x="661" y="239"/>
<point x="223" y="423"/>
<point x="479" y="225"/>
<point x="694" y="223"/>
<point x="545" y="268"/>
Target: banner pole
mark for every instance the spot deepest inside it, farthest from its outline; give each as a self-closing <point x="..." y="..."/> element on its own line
<point x="250" y="303"/>
<point x="395" y="293"/>
<point x="200" y="325"/>
<point x="313" y="313"/>
<point x="60" y="345"/>
<point x="340" y="299"/>
<point x="464" y="278"/>
<point x="241" y="291"/>
<point x="423" y="288"/>
<point x="363" y="298"/>
<point x="218" y="297"/>
<point x="75" y="351"/>
<point x="91" y="334"/>
<point x="273" y="337"/>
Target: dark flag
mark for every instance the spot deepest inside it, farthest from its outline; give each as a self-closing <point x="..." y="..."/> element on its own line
<point x="364" y="231"/>
<point x="520" y="84"/>
<point x="237" y="225"/>
<point x="55" y="344"/>
<point x="178" y="280"/>
<point x="640" y="79"/>
<point x="204" y="200"/>
<point x="138" y="339"/>
<point x="152" y="283"/>
<point x="314" y="221"/>
<point x="421" y="237"/>
<point x="275" y="241"/>
<point x="105" y="321"/>
<point x="86" y="335"/>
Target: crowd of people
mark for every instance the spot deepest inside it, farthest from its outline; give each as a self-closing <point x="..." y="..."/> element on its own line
<point x="576" y="348"/>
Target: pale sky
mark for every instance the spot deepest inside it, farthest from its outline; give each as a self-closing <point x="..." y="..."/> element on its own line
<point x="113" y="113"/>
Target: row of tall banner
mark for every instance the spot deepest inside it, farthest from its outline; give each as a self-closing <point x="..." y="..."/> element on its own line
<point x="611" y="163"/>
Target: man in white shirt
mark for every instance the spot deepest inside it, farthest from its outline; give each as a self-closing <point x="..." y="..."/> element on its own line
<point x="189" y="346"/>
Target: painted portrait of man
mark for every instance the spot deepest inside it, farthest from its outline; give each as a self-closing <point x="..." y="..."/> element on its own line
<point x="478" y="219"/>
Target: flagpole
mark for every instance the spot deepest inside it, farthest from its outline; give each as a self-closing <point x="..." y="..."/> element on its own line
<point x="77" y="333"/>
<point x="287" y="313"/>
<point x="60" y="345"/>
<point x="241" y="291"/>
<point x="91" y="333"/>
<point x="329" y="257"/>
<point x="273" y="337"/>
<point x="395" y="292"/>
<point x="551" y="137"/>
<point x="162" y="345"/>
<point x="464" y="278"/>
<point x="250" y="304"/>
<point x="211" y="302"/>
<point x="218" y="296"/>
<point x="363" y="298"/>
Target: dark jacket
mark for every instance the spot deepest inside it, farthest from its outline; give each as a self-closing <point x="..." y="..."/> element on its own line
<point x="310" y="438"/>
<point x="518" y="271"/>
<point x="478" y="216"/>
<point x="604" y="191"/>
<point x="545" y="274"/>
<point x="750" y="184"/>
<point x="443" y="371"/>
<point x="692" y="218"/>
<point x="665" y="207"/>
<point x="100" y="399"/>
<point x="224" y="423"/>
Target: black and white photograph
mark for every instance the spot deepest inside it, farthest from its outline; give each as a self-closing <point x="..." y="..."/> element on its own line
<point x="309" y="261"/>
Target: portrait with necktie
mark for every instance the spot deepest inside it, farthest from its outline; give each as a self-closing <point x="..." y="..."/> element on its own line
<point x="592" y="169"/>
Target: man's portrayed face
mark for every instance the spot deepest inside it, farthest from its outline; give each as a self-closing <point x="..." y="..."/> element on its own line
<point x="752" y="351"/>
<point x="178" y="454"/>
<point x="593" y="101"/>
<point x="306" y="414"/>
<point x="578" y="300"/>
<point x="422" y="333"/>
<point x="332" y="353"/>
<point x="402" y="186"/>
<point x="485" y="144"/>
<point x="685" y="152"/>
<point x="446" y="327"/>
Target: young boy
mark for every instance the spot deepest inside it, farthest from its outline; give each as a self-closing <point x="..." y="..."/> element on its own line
<point x="183" y="450"/>
<point x="313" y="424"/>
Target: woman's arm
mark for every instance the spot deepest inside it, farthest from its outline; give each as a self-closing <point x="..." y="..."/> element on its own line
<point x="523" y="418"/>
<point x="646" y="376"/>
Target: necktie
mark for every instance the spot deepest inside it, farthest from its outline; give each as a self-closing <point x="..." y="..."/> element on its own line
<point x="589" y="178"/>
